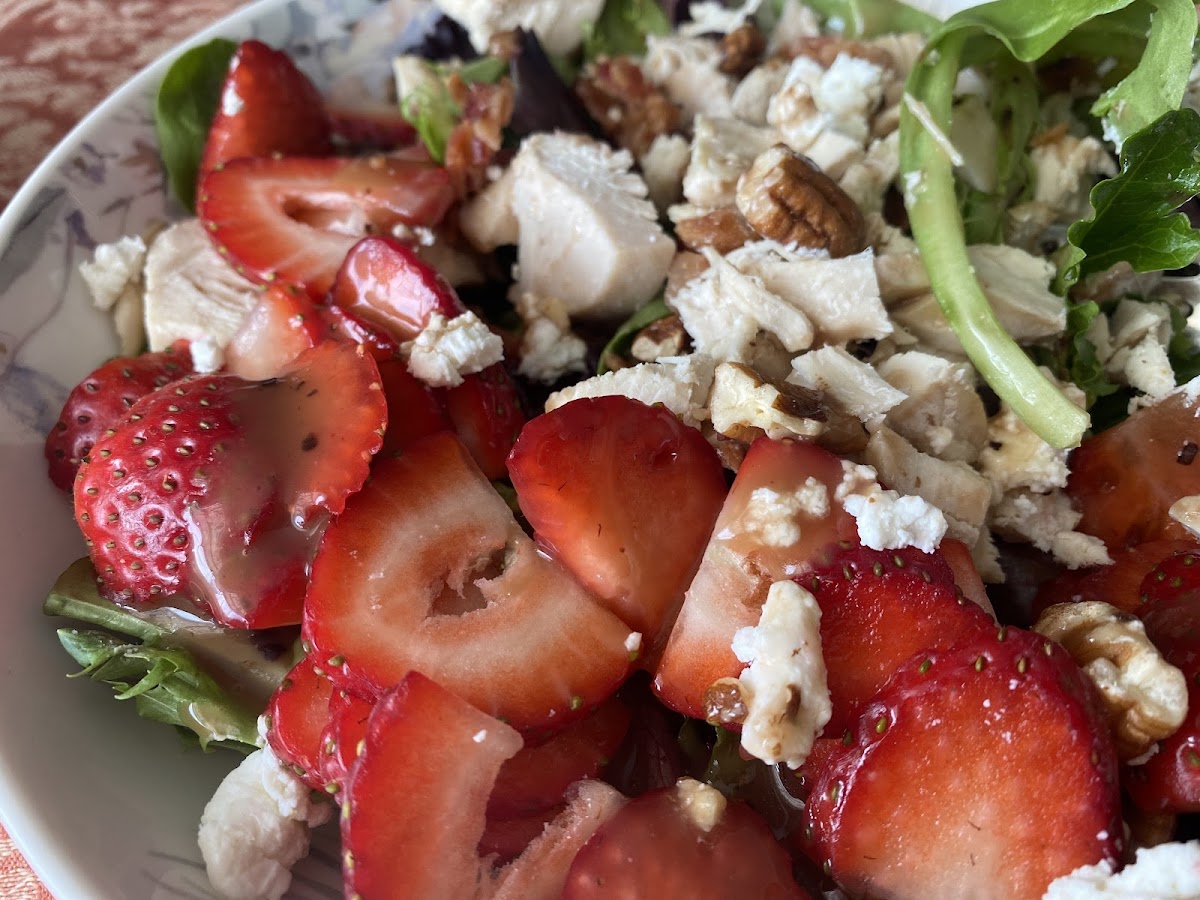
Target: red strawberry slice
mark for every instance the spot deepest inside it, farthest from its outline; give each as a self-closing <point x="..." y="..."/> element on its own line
<point x="506" y="839"/>
<point x="660" y="845"/>
<point x="428" y="570"/>
<point x="102" y="400"/>
<point x="986" y="770"/>
<point x="1175" y="578"/>
<point x="413" y="410"/>
<point x="743" y="559"/>
<point x="370" y="127"/>
<point x="282" y="326"/>
<point x="215" y="488"/>
<point x="1119" y="584"/>
<point x="344" y="326"/>
<point x="296" y="717"/>
<point x="487" y="414"/>
<point x="878" y="609"/>
<point x="414" y="804"/>
<point x="537" y="778"/>
<point x="267" y="106"/>
<point x="341" y="739"/>
<point x="625" y="495"/>
<point x="1125" y="479"/>
<point x="292" y="220"/>
<point x="966" y="575"/>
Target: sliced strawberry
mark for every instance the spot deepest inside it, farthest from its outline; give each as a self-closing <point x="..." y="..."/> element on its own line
<point x="413" y="410"/>
<point x="428" y="570"/>
<point x="414" y="805"/>
<point x="215" y="488"/>
<point x="878" y="608"/>
<point x="487" y="414"/>
<point x="625" y="495"/>
<point x="341" y="738"/>
<point x="506" y="839"/>
<point x="296" y="717"/>
<point x="746" y="554"/>
<point x="986" y="770"/>
<point x="268" y="106"/>
<point x="537" y="778"/>
<point x="102" y="400"/>
<point x="1119" y="584"/>
<point x="282" y="326"/>
<point x="371" y="128"/>
<point x="966" y="575"/>
<point x="677" y="843"/>
<point x="1175" y="578"/>
<point x="293" y="219"/>
<point x="342" y="325"/>
<point x="1125" y="479"/>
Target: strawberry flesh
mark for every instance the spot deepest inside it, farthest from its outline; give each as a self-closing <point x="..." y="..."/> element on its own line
<point x="280" y="327"/>
<point x="297" y="715"/>
<point x="341" y="739"/>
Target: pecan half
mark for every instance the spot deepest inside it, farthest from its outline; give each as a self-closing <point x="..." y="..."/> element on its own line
<point x="666" y="337"/>
<point x="631" y="110"/>
<point x="786" y="198"/>
<point x="824" y="49"/>
<point x="742" y="49"/>
<point x="479" y="135"/>
<point x="723" y="229"/>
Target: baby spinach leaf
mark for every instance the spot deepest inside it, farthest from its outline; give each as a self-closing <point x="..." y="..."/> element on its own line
<point x="622" y="28"/>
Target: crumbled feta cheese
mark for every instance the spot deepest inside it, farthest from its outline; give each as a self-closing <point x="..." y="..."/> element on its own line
<point x="713" y="17"/>
<point x="549" y="349"/>
<point x="943" y="414"/>
<point x="783" y="686"/>
<point x="1048" y="522"/>
<point x="256" y="827"/>
<point x="586" y="233"/>
<point x="888" y="521"/>
<point x="744" y="406"/>
<point x="206" y="355"/>
<point x="848" y="93"/>
<point x="663" y="167"/>
<point x="851" y="386"/>
<point x="1165" y="872"/>
<point x="192" y="292"/>
<point x="559" y="24"/>
<point x="702" y="803"/>
<point x="688" y="69"/>
<point x="680" y="384"/>
<point x="113" y="268"/>
<point x="633" y="643"/>
<point x="1141" y="334"/>
<point x="1017" y="458"/>
<point x="723" y="149"/>
<point x="448" y="349"/>
<point x="775" y="516"/>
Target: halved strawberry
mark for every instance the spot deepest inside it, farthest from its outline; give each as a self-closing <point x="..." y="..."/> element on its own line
<point x="1125" y="479"/>
<point x="986" y="770"/>
<point x="215" y="487"/>
<point x="370" y="127"/>
<point x="487" y="414"/>
<point x="1119" y="584"/>
<point x="267" y="106"/>
<point x="779" y="521"/>
<point x="506" y="839"/>
<point x="966" y="575"/>
<point x="102" y="400"/>
<point x="345" y="326"/>
<point x="537" y="777"/>
<point x="878" y="608"/>
<point x="413" y="811"/>
<point x="296" y="717"/>
<point x="292" y="220"/>
<point x="283" y="325"/>
<point x="1175" y="578"/>
<point x="683" y="842"/>
<point x="428" y="570"/>
<point x="625" y="495"/>
<point x="413" y="410"/>
<point x="341" y="738"/>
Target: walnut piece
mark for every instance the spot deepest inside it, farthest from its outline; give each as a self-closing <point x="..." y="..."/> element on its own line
<point x="631" y="110"/>
<point x="684" y="267"/>
<point x="742" y="49"/>
<point x="787" y="199"/>
<point x="745" y="406"/>
<point x="1146" y="696"/>
<point x="723" y="229"/>
<point x="825" y="49"/>
<point x="477" y="138"/>
<point x="666" y="337"/>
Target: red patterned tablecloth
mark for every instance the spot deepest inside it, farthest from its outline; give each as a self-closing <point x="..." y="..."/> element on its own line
<point x="58" y="60"/>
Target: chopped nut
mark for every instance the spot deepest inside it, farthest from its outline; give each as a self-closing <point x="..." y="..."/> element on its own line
<point x="684" y="267"/>
<point x="666" y="337"/>
<point x="723" y="703"/>
<point x="787" y="199"/>
<point x="742" y="49"/>
<point x="731" y="453"/>
<point x="824" y="49"/>
<point x="479" y="135"/>
<point x="505" y="45"/>
<point x="703" y="804"/>
<point x="744" y="406"/>
<point x="723" y="229"/>
<point x="1145" y="695"/>
<point x="1148" y="829"/>
<point x="631" y="110"/>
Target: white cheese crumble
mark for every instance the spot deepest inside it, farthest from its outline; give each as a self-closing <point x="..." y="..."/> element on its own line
<point x="888" y="521"/>
<point x="207" y="355"/>
<point x="680" y="383"/>
<point x="701" y="803"/>
<point x="112" y="268"/>
<point x="775" y="516"/>
<point x="549" y="349"/>
<point x="448" y="349"/>
<point x="1166" y="872"/>
<point x="559" y="24"/>
<point x="784" y="684"/>
<point x="256" y="827"/>
<point x="1048" y="522"/>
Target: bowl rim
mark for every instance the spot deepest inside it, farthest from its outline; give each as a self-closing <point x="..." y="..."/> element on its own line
<point x="28" y="831"/>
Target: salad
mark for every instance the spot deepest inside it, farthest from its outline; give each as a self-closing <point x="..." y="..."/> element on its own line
<point x="672" y="450"/>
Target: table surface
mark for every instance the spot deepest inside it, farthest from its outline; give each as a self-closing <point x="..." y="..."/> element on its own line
<point x="58" y="60"/>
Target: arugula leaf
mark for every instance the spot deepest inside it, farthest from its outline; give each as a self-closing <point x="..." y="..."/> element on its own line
<point x="622" y="28"/>
<point x="868" y="18"/>
<point x="184" y="109"/>
<point x="1075" y="358"/>
<point x="1135" y="216"/>
<point x="618" y="346"/>
<point x="1027" y="31"/>
<point x="431" y="110"/>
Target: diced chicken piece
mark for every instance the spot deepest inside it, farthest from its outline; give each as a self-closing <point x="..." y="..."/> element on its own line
<point x="1048" y="522"/>
<point x="489" y="220"/>
<point x="663" y="167"/>
<point x="943" y="414"/>
<point x="688" y="69"/>
<point x="752" y="98"/>
<point x="1067" y="167"/>
<point x="559" y="24"/>
<point x="1016" y="283"/>
<point x="839" y="296"/>
<point x="867" y="181"/>
<point x="1146" y="367"/>
<point x="549" y="349"/>
<point x="886" y="239"/>
<point x="714" y="17"/>
<point x="953" y="487"/>
<point x="727" y="312"/>
<point x="796" y="20"/>
<point x="114" y="277"/>
<point x="586" y="233"/>
<point x="852" y="387"/>
<point x="723" y="149"/>
<point x="192" y="292"/>
<point x="1137" y="351"/>
<point x="682" y="385"/>
<point x="975" y="136"/>
<point x="745" y="406"/>
<point x="986" y="557"/>
<point x="1017" y="459"/>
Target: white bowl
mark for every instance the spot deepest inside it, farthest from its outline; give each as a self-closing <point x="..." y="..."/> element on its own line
<point x="102" y="803"/>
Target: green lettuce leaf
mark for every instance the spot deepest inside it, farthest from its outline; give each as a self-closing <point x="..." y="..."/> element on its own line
<point x="622" y="28"/>
<point x="184" y="109"/>
<point x="1075" y="357"/>
<point x="618" y="346"/>
<point x="431" y="110"/>
<point x="868" y="18"/>
<point x="1135" y="218"/>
